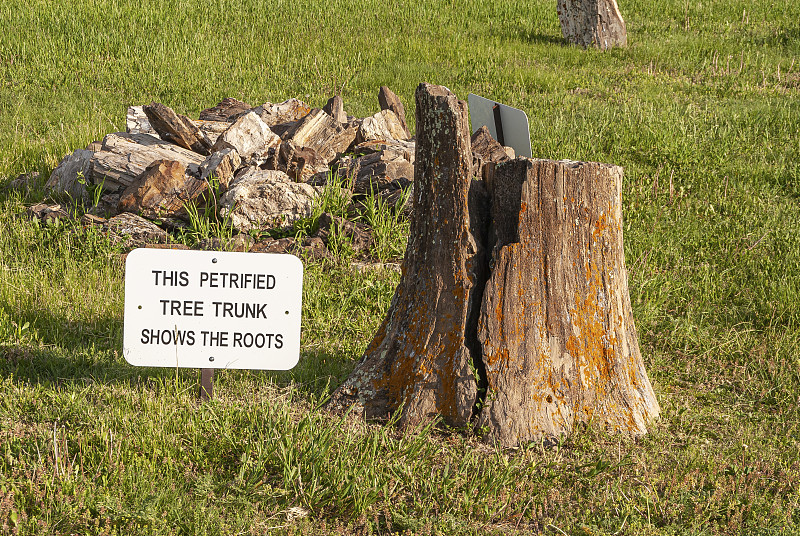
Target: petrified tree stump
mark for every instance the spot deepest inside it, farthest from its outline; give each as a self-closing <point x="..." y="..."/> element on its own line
<point x="420" y="358"/>
<point x="512" y="311"/>
<point x="557" y="334"/>
<point x="592" y="23"/>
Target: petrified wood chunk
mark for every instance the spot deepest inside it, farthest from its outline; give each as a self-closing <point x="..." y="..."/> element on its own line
<point x="249" y="136"/>
<point x="389" y="101"/>
<point x="220" y="166"/>
<point x="558" y="340"/>
<point x="177" y="128"/>
<point x="125" y="156"/>
<point x="228" y="109"/>
<point x="321" y="132"/>
<point x="516" y="319"/>
<point x="287" y="111"/>
<point x="163" y="190"/>
<point x="136" y="122"/>
<point x="420" y="358"/>
<point x="384" y="125"/>
<point x="299" y="163"/>
<point x="134" y="230"/>
<point x="335" y="108"/>
<point x="374" y="172"/>
<point x="264" y="199"/>
<point x="486" y="153"/>
<point x="72" y="174"/>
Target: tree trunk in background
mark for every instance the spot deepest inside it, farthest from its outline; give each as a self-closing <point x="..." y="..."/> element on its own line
<point x="513" y="310"/>
<point x="592" y="23"/>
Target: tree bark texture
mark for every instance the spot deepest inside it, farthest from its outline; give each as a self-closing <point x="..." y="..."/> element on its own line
<point x="421" y="359"/>
<point x="557" y="334"/>
<point x="592" y="23"/>
<point x="512" y="311"/>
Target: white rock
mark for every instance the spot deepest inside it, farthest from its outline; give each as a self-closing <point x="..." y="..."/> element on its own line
<point x="72" y="174"/>
<point x="136" y="122"/>
<point x="249" y="136"/>
<point x="384" y="125"/>
<point x="263" y="199"/>
<point x="285" y="112"/>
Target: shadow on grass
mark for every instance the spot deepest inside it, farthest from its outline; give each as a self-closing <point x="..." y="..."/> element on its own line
<point x="54" y="350"/>
<point x="540" y="38"/>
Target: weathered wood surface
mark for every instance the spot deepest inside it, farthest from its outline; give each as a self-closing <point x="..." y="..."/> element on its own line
<point x="556" y="328"/>
<point x="228" y="109"/>
<point x="384" y="126"/>
<point x="125" y="156"/>
<point x="177" y="128"/>
<point x="249" y="136"/>
<point x="592" y="23"/>
<point x="531" y="296"/>
<point x="373" y="172"/>
<point x="163" y="190"/>
<point x="335" y="108"/>
<point x="321" y="132"/>
<point x="486" y="154"/>
<point x="420" y="359"/>
<point x="389" y="101"/>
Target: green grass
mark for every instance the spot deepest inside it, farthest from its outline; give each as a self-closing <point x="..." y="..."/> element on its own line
<point x="703" y="111"/>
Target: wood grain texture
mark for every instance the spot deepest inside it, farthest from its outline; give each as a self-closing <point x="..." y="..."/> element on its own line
<point x="592" y="23"/>
<point x="420" y="359"/>
<point x="556" y="328"/>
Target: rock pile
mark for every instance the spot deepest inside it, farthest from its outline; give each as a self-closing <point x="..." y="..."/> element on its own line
<point x="258" y="167"/>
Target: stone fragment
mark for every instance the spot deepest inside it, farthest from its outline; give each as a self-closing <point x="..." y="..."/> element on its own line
<point x="46" y="213"/>
<point x="221" y="166"/>
<point x="359" y="235"/>
<point x="107" y="206"/>
<point x="134" y="230"/>
<point x="322" y="133"/>
<point x="408" y="148"/>
<point x="389" y="101"/>
<point x="299" y="163"/>
<point x="228" y="109"/>
<point x="486" y="153"/>
<point x="374" y="172"/>
<point x="72" y="175"/>
<point x="212" y="129"/>
<point x="24" y="182"/>
<point x="136" y="122"/>
<point x="384" y="125"/>
<point x="125" y="156"/>
<point x="177" y="128"/>
<point x="163" y="190"/>
<point x="249" y="136"/>
<point x="263" y="199"/>
<point x="335" y="108"/>
<point x="287" y="111"/>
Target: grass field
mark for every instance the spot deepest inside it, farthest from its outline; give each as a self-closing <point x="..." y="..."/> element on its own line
<point x="703" y="111"/>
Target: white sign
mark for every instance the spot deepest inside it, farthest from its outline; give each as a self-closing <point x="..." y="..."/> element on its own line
<point x="211" y="309"/>
<point x="507" y="125"/>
